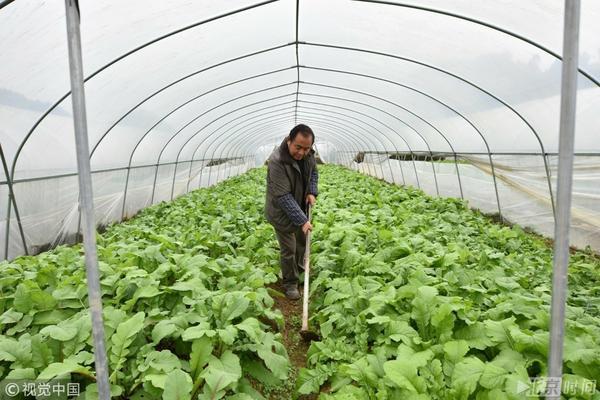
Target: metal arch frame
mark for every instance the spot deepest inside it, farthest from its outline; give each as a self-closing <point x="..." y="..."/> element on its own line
<point x="107" y="65"/>
<point x="324" y="125"/>
<point x="408" y="146"/>
<point x="278" y="121"/>
<point x="236" y="81"/>
<point x="482" y="23"/>
<point x="5" y="3"/>
<point x="297" y="57"/>
<point x="394" y="117"/>
<point x="213" y="151"/>
<point x="140" y="140"/>
<point x="324" y="122"/>
<point x="352" y="111"/>
<point x="182" y="128"/>
<point x="282" y="120"/>
<point x="125" y="55"/>
<point x="376" y="108"/>
<point x="187" y="102"/>
<point x="233" y="132"/>
<point x="191" y="137"/>
<point x="307" y="82"/>
<point x="491" y="163"/>
<point x="399" y="106"/>
<point x="179" y="31"/>
<point x="263" y="75"/>
<point x="465" y="81"/>
<point x="200" y="71"/>
<point x="488" y="93"/>
<point x="11" y="197"/>
<point x="318" y="124"/>
<point x="221" y="116"/>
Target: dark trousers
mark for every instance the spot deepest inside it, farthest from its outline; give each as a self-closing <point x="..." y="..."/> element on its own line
<point x="291" y="256"/>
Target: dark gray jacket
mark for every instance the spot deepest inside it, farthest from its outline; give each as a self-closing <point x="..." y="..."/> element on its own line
<point x="283" y="177"/>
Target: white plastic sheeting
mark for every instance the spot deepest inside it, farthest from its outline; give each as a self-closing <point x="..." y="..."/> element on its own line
<point x="522" y="188"/>
<point x="172" y="85"/>
<point x="49" y="207"/>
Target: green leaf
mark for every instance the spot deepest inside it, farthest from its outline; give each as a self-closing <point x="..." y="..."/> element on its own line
<point x="201" y="350"/>
<point x="163" y="361"/>
<point x="61" y="333"/>
<point x="29" y="296"/>
<point x="59" y="369"/>
<point x="403" y="371"/>
<point x="122" y="339"/>
<point x="198" y="331"/>
<point x="475" y="335"/>
<point x="252" y="328"/>
<point x="258" y="371"/>
<point x="466" y="375"/>
<point x="228" y="334"/>
<point x="423" y="304"/>
<point x="234" y="305"/>
<point x="274" y="355"/>
<point x="178" y="386"/>
<point x="10" y="316"/>
<point x="499" y="331"/>
<point x="91" y="391"/>
<point x="493" y="376"/>
<point x="21" y="373"/>
<point x="310" y="380"/>
<point x="455" y="350"/>
<point x="221" y="374"/>
<point x="163" y="329"/>
<point x="41" y="354"/>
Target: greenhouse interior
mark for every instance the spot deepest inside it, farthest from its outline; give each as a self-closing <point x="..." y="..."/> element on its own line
<point x="454" y="242"/>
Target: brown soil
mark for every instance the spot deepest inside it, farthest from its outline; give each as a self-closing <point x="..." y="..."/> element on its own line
<point x="296" y="347"/>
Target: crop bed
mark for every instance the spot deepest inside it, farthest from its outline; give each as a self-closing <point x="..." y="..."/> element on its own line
<point x="415" y="298"/>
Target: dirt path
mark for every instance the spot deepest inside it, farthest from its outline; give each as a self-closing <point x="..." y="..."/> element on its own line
<point x="296" y="347"/>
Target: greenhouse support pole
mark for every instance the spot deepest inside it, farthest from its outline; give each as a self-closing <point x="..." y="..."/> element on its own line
<point x="174" y="177"/>
<point x="85" y="189"/>
<point x="13" y="200"/>
<point x="187" y="187"/>
<point x="458" y="176"/>
<point x="564" y="187"/>
<point x="125" y="193"/>
<point x="154" y="184"/>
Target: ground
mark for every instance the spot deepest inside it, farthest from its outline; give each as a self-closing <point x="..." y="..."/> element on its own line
<point x="296" y="347"/>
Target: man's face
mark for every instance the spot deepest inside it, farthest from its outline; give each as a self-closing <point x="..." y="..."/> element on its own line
<point x="300" y="146"/>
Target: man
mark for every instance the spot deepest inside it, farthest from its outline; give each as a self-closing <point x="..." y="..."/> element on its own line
<point x="292" y="179"/>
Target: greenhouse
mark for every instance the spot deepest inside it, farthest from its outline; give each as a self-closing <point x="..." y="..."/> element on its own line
<point x="454" y="245"/>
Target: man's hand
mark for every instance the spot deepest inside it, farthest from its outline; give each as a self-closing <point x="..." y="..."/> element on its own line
<point x="311" y="199"/>
<point x="306" y="227"/>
